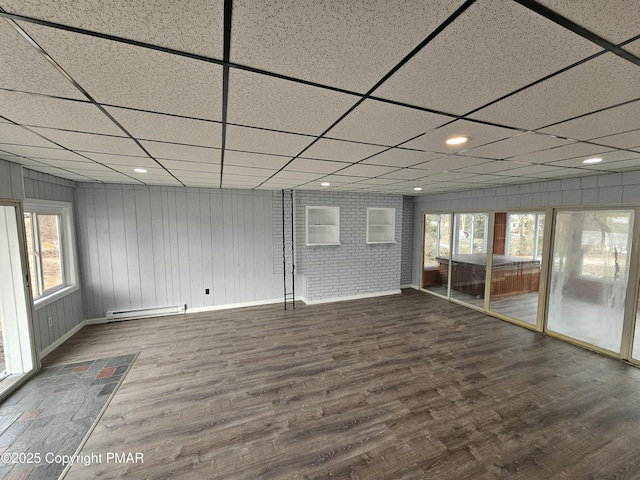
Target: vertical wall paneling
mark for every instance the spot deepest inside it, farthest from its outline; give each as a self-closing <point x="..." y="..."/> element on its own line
<point x="104" y="251"/>
<point x="207" y="246"/>
<point x="117" y="240"/>
<point x="142" y="218"/>
<point x="155" y="276"/>
<point x="219" y="252"/>
<point x="194" y="227"/>
<point x="131" y="238"/>
<point x="229" y="247"/>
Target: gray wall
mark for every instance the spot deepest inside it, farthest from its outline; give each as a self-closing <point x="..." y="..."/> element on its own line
<point x="407" y="240"/>
<point x="159" y="246"/>
<point x="68" y="312"/>
<point x="353" y="267"/>
<point x="11" y="181"/>
<point x="604" y="189"/>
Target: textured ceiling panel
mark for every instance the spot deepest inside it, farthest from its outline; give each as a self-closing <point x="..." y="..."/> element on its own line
<point x="248" y="171"/>
<point x="495" y="166"/>
<point x="405" y="174"/>
<point x="518" y="145"/>
<point x="608" y="158"/>
<point x="262" y="141"/>
<point x="452" y="162"/>
<point x="179" y="166"/>
<point x="91" y="142"/>
<point x="151" y="22"/>
<point x="342" y="151"/>
<point x="477" y="133"/>
<point x="631" y="164"/>
<point x="401" y="158"/>
<point x="40" y="152"/>
<point x="471" y="62"/>
<point x="345" y="44"/>
<point x="175" y="151"/>
<point x="607" y="122"/>
<point x="262" y="101"/>
<point x="385" y="123"/>
<point x="622" y="140"/>
<point x="52" y="112"/>
<point x="167" y="128"/>
<point x="25" y="69"/>
<point x="361" y="170"/>
<point x="610" y="79"/>
<point x="134" y="161"/>
<point x="257" y="160"/>
<point x="17" y="135"/>
<point x="553" y="154"/>
<point x="125" y="75"/>
<point x="614" y="20"/>
<point x="314" y="166"/>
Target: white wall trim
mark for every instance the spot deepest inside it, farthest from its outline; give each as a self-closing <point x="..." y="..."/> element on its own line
<point x="235" y="305"/>
<point x="62" y="339"/>
<point x="352" y="297"/>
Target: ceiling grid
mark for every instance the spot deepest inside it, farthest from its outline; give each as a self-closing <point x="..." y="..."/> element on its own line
<point x="362" y="95"/>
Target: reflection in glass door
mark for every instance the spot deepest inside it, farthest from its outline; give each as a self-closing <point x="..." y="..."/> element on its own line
<point x="516" y="264"/>
<point x="469" y="257"/>
<point x="590" y="269"/>
<point x="437" y="245"/>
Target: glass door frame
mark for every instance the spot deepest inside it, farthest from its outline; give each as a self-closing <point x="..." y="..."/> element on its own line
<point x="631" y="292"/>
<point x="12" y="382"/>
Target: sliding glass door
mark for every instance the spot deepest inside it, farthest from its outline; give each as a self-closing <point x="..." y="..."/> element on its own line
<point x="437" y="249"/>
<point x="589" y="275"/>
<point x="516" y="264"/>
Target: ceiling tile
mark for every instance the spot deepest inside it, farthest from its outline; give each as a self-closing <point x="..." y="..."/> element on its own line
<point x="344" y="44"/>
<point x="477" y="133"/>
<point x="340" y="179"/>
<point x="267" y="102"/>
<point x="40" y="152"/>
<point x="579" y="149"/>
<point x="175" y="151"/>
<point x="300" y="176"/>
<point x="607" y="122"/>
<point x="258" y="160"/>
<point x="607" y="157"/>
<point x="89" y="142"/>
<point x="155" y="22"/>
<point x="168" y="128"/>
<point x="46" y="112"/>
<point x="518" y="145"/>
<point x="471" y="63"/>
<point x="263" y="141"/>
<point x="622" y="140"/>
<point x="610" y="79"/>
<point x="315" y="166"/>
<point x="179" y="166"/>
<point x="614" y="20"/>
<point x="121" y="74"/>
<point x="451" y="162"/>
<point x="526" y="171"/>
<point x="131" y="160"/>
<point x="622" y="165"/>
<point x="361" y="170"/>
<point x="405" y="174"/>
<point x="397" y="157"/>
<point x="209" y="177"/>
<point x="248" y="171"/>
<point x="494" y="166"/>
<point x="24" y="68"/>
<point x="326" y="149"/>
<point x="15" y="134"/>
<point x="448" y="177"/>
<point x="384" y="123"/>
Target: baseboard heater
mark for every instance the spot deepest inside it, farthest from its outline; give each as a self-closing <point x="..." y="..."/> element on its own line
<point x="114" y="315"/>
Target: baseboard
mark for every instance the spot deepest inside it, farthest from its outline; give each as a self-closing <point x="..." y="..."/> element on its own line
<point x="411" y="285"/>
<point x="352" y="297"/>
<point x="61" y="340"/>
<point x="228" y="306"/>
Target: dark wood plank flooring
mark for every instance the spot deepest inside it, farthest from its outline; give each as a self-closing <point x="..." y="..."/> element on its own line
<point x="401" y="387"/>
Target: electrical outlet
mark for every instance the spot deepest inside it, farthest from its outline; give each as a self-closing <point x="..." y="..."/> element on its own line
<point x="206" y="291"/>
<point x="51" y="321"/>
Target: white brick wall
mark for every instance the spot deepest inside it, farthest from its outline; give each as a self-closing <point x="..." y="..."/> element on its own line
<point x="353" y="267"/>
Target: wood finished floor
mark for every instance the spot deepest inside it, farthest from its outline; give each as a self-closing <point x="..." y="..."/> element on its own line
<point x="401" y="387"/>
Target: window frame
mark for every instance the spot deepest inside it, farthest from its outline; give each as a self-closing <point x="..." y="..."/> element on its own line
<point x="68" y="253"/>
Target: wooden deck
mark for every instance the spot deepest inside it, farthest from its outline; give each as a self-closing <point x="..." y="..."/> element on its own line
<point x="401" y="387"/>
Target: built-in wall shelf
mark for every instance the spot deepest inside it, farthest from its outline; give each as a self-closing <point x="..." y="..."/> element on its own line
<point x="323" y="225"/>
<point x="381" y="225"/>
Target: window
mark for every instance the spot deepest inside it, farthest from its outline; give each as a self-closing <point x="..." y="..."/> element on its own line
<point x="524" y="235"/>
<point x="52" y="267"/>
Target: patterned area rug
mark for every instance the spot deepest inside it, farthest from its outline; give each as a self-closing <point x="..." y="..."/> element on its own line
<point x="43" y="423"/>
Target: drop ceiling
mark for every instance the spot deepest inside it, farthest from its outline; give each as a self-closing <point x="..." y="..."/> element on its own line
<point x="255" y="94"/>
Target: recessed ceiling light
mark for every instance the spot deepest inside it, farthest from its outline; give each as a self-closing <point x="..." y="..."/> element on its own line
<point x="325" y="184"/>
<point x="140" y="170"/>
<point x="457" y="140"/>
<point x="417" y="189"/>
<point x="592" y="160"/>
